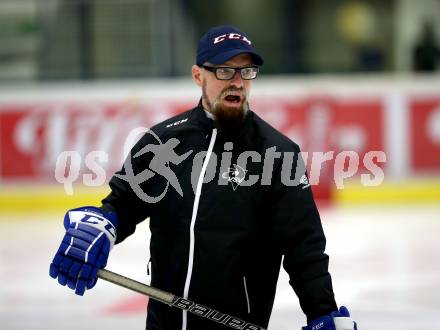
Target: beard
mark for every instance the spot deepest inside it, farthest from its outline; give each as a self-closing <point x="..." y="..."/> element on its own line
<point x="227" y="119"/>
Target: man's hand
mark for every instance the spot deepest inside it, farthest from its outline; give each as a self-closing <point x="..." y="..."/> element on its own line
<point x="90" y="235"/>
<point x="338" y="320"/>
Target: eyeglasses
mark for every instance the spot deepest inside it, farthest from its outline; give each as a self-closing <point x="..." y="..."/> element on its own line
<point x="227" y="73"/>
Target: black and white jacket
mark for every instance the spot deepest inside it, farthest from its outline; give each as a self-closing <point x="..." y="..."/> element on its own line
<point x="221" y="242"/>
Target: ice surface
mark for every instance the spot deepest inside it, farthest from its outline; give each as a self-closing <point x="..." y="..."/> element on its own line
<point x="384" y="263"/>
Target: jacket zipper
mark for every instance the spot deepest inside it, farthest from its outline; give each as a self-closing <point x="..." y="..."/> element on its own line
<point x="193" y="221"/>
<point x="247" y="295"/>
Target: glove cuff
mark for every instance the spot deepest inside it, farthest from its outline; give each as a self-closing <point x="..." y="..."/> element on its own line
<point x="94" y="217"/>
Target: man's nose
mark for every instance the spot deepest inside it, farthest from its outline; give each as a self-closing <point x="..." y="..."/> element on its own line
<point x="236" y="80"/>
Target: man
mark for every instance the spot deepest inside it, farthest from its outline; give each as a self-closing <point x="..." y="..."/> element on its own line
<point x="220" y="232"/>
<point x="426" y="52"/>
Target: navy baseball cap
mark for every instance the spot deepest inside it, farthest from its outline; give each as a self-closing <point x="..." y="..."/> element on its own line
<point x="221" y="43"/>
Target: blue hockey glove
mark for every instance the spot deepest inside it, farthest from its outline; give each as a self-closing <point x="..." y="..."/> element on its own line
<point x="90" y="235"/>
<point x="338" y="320"/>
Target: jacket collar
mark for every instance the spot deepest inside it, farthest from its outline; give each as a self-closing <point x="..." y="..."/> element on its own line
<point x="201" y="118"/>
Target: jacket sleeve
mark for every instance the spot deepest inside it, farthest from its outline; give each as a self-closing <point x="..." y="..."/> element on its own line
<point x="125" y="198"/>
<point x="297" y="228"/>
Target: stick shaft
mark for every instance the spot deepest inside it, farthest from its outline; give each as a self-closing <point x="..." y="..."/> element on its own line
<point x="139" y="287"/>
<point x="175" y="301"/>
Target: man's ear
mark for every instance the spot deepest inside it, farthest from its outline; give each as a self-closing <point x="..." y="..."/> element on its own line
<point x="197" y="75"/>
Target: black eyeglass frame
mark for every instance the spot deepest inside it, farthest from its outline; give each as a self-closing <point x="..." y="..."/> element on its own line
<point x="214" y="69"/>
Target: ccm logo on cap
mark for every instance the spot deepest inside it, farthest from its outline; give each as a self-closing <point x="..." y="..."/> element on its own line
<point x="231" y="36"/>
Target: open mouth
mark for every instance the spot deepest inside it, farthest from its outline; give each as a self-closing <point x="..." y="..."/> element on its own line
<point x="233" y="98"/>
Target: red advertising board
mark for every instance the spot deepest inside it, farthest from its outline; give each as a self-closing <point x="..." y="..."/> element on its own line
<point x="323" y="124"/>
<point x="425" y="135"/>
<point x="34" y="134"/>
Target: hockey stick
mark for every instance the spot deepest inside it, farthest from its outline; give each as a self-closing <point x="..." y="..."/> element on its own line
<point x="175" y="301"/>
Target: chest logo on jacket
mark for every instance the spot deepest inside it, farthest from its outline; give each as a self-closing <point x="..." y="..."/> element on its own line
<point x="235" y="175"/>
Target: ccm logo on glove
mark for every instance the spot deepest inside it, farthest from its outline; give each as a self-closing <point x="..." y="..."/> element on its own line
<point x="92" y="218"/>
